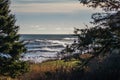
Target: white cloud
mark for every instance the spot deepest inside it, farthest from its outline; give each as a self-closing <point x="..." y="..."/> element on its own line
<point x="47" y="7"/>
<point x="60" y="26"/>
<point x="43" y="1"/>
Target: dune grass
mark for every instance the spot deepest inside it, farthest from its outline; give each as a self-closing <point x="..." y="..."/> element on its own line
<point x="70" y="70"/>
<point x="51" y="70"/>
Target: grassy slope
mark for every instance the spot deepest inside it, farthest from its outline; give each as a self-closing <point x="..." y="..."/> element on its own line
<point x="54" y="70"/>
<point x="60" y="70"/>
<point x="51" y="70"/>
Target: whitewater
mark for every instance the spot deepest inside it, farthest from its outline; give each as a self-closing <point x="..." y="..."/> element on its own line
<point x="44" y="47"/>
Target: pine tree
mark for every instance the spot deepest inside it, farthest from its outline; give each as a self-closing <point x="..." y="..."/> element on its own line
<point x="104" y="40"/>
<point x="10" y="46"/>
<point x="104" y="36"/>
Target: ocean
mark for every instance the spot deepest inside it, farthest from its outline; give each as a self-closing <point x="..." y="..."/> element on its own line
<point x="42" y="47"/>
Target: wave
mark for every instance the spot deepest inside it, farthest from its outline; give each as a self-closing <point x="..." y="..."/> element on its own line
<point x="41" y="46"/>
<point x="38" y="57"/>
<point x="45" y="49"/>
<point x="60" y="42"/>
<point x="42" y="49"/>
<point x="47" y="43"/>
<point x="67" y="38"/>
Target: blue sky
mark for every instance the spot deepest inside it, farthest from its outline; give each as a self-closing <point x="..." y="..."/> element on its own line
<point x="50" y="16"/>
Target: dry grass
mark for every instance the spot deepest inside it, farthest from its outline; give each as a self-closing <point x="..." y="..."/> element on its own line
<point x="50" y="69"/>
<point x="61" y="70"/>
<point x="85" y="56"/>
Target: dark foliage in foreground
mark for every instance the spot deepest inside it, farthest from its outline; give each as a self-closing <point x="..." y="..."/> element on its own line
<point x="103" y="41"/>
<point x="10" y="46"/>
<point x="104" y="37"/>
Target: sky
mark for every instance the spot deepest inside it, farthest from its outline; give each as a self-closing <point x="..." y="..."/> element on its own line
<point x="50" y="16"/>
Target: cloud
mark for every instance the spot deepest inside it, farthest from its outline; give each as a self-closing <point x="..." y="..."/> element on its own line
<point x="47" y="7"/>
<point x="49" y="16"/>
<point x="43" y="1"/>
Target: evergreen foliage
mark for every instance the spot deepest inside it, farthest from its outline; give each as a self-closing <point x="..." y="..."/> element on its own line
<point x="104" y="37"/>
<point x="10" y="46"/>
